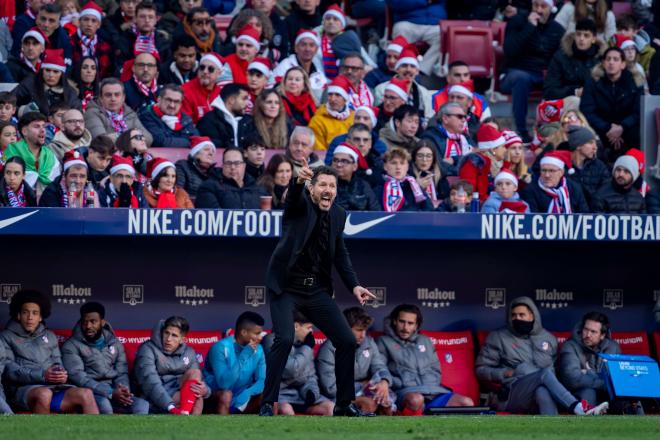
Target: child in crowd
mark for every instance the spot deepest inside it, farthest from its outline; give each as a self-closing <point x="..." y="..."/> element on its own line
<point x="460" y="194"/>
<point x="505" y="198"/>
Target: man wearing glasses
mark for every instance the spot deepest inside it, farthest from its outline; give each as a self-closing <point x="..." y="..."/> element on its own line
<point x="199" y="93"/>
<point x="72" y="135"/>
<point x="167" y="124"/>
<point x="353" y="192"/>
<point x="352" y="67"/>
<point x="447" y="134"/>
<point x="199" y="25"/>
<point x="142" y="89"/>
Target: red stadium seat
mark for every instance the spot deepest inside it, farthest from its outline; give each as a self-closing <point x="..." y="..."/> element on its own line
<point x="201" y="342"/>
<point x="455" y="351"/>
<point x="62" y="334"/>
<point x="319" y="338"/>
<point x="481" y="337"/>
<point x="620" y="8"/>
<point x="633" y="342"/>
<point x="561" y="338"/>
<point x="132" y="340"/>
<point x="656" y="342"/>
<point x="175" y="154"/>
<point x="222" y="23"/>
<point x="445" y="25"/>
<point x="473" y="46"/>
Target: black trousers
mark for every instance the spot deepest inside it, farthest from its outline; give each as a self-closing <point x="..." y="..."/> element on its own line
<point x="321" y="309"/>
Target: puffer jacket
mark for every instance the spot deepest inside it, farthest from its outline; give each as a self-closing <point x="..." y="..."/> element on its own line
<point x="4" y="358"/>
<point x="98" y="122"/>
<point x="99" y="369"/>
<point x="61" y="144"/>
<point x="356" y="195"/>
<point x="614" y="199"/>
<point x="190" y="177"/>
<point x="505" y="349"/>
<point x="580" y="366"/>
<point x="592" y="176"/>
<point x="413" y="363"/>
<point x="164" y="136"/>
<point x="494" y="201"/>
<point x="539" y="201"/>
<point x="159" y="373"/>
<point x="224" y="193"/>
<point x="528" y="47"/>
<point x="370" y="365"/>
<point x="30" y="195"/>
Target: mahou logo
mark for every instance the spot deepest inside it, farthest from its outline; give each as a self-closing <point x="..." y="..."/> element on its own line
<point x="71" y="294"/>
<point x="435" y="298"/>
<point x="553" y="299"/>
<point x="193" y="296"/>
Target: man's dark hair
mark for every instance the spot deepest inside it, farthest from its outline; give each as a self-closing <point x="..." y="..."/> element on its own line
<point x="29" y="118"/>
<point x="598" y="317"/>
<point x="92" y="307"/>
<point x="323" y="170"/>
<point x="183" y="40"/>
<point x="110" y="81"/>
<point x="403" y="111"/>
<point x="172" y="88"/>
<point x="357" y="127"/>
<point x="103" y="144"/>
<point x="52" y="8"/>
<point x="8" y="98"/>
<point x="29" y="296"/>
<point x="626" y="21"/>
<point x="230" y="149"/>
<point x="586" y="24"/>
<point x="254" y="138"/>
<point x="247" y="320"/>
<point x="60" y="106"/>
<point x="615" y="49"/>
<point x="146" y="4"/>
<point x="300" y="318"/>
<point x="406" y="308"/>
<point x="195" y="10"/>
<point x="232" y="89"/>
<point x="357" y="55"/>
<point x="179" y="322"/>
<point x="357" y="316"/>
<point x="457" y="63"/>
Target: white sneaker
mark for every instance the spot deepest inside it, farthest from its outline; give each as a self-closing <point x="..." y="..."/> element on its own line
<point x="598" y="410"/>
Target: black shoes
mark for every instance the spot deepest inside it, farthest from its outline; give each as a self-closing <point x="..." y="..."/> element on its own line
<point x="266" y="410"/>
<point x="350" y="411"/>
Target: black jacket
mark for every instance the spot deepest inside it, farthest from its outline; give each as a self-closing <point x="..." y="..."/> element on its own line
<point x="135" y="99"/>
<point x="107" y="196"/>
<point x="52" y="195"/>
<point x="18" y="69"/>
<point x="31" y="89"/>
<point x="30" y="196"/>
<point x="539" y="201"/>
<point x="297" y="20"/>
<point x="614" y="199"/>
<point x="593" y="175"/>
<point x="374" y="174"/>
<point x="570" y="68"/>
<point x="190" y="177"/>
<point x="653" y="201"/>
<point x="356" y="195"/>
<point x="226" y="194"/>
<point x="221" y="132"/>
<point x="125" y="42"/>
<point x="299" y="220"/>
<point x="528" y="47"/>
<point x="164" y="136"/>
<point x="167" y="76"/>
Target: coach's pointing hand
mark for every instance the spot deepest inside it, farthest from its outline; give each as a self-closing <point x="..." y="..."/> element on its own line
<point x="362" y="294"/>
<point x="305" y="172"/>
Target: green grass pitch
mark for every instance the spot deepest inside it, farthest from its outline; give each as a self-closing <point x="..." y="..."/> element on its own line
<point x="289" y="428"/>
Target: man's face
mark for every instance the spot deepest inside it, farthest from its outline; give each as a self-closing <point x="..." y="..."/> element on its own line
<point x="461" y="99"/>
<point x="172" y="339"/>
<point x="391" y="102"/>
<point x="91" y="325"/>
<point x="584" y="40"/>
<point x="98" y="161"/>
<point x="201" y="25"/>
<point x="233" y="166"/>
<point x="613" y="63"/>
<point x="336" y="102"/>
<point x="362" y="117"/>
<point x="170" y="102"/>
<point x="397" y="167"/>
<point x="505" y="188"/>
<point x="145" y="68"/>
<point x="256" y="81"/>
<point x="208" y="74"/>
<point x="146" y="20"/>
<point x="408" y="126"/>
<point x="122" y="176"/>
<point x="407" y="71"/>
<point x="362" y="140"/>
<point x="187" y="5"/>
<point x="30" y="317"/>
<point x="256" y="154"/>
<point x="57" y="118"/>
<point x="324" y="191"/>
<point x="306" y="49"/>
<point x="184" y="58"/>
<point x="250" y="334"/>
<point x="353" y="69"/>
<point x="35" y="133"/>
<point x="522" y="313"/>
<point x="128" y="7"/>
<point x="344" y="165"/>
<point x="265" y="6"/>
<point x="238" y="103"/>
<point x="332" y="25"/>
<point x="405" y="325"/>
<point x="589" y="149"/>
<point x="499" y="152"/>
<point x="458" y="74"/>
<point x="454" y="121"/>
<point x="543" y="9"/>
<point x="73" y="124"/>
<point x="551" y="175"/>
<point x="592" y="333"/>
<point x="51" y="76"/>
<point x="76" y="176"/>
<point x="31" y="49"/>
<point x="246" y="51"/>
<point x="301" y="330"/>
<point x="48" y="22"/>
<point x="360" y="333"/>
<point x="112" y="97"/>
<point x="300" y="147"/>
<point x="622" y="176"/>
<point x="89" y="25"/>
<point x="390" y="60"/>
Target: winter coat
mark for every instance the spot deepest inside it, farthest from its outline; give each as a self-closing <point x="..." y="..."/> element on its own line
<point x="419" y="97"/>
<point x="475" y="168"/>
<point x="108" y="194"/>
<point x="103" y="53"/>
<point x="413" y="363"/>
<point x="32" y="89"/>
<point x="392" y="139"/>
<point x="28" y="192"/>
<point x="566" y="18"/>
<point x="370" y="366"/>
<point x="58" y="40"/>
<point x="580" y="366"/>
<point x="239" y="369"/>
<point x="493" y="203"/>
<point x="418" y="11"/>
<point x="539" y="201"/>
<point x="99" y="369"/>
<point x="135" y="99"/>
<point x="480" y="107"/>
<point x="317" y="79"/>
<point x="438" y="137"/>
<point x="182" y="198"/>
<point x="614" y="199"/>
<point x="504" y="349"/>
<point x="570" y="68"/>
<point x="356" y="195"/>
<point x="377" y="145"/>
<point x="528" y="47"/>
<point x="326" y="127"/>
<point x="125" y="43"/>
<point x="159" y="373"/>
<point x="593" y="175"/>
<point x="164" y="136"/>
<point x="98" y="122"/>
<point x="652" y="200"/>
<point x="169" y="75"/>
<point x="61" y="144"/>
<point x="297" y="19"/>
<point x="409" y="203"/>
<point x="224" y="193"/>
<point x="18" y="69"/>
<point x="197" y="100"/>
<point x="190" y="176"/>
<point x="224" y="129"/>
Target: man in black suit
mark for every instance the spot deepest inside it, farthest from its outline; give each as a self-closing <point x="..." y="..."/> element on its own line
<point x="299" y="278"/>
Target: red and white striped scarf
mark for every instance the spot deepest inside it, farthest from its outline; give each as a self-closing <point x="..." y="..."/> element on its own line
<point x="393" y="197"/>
<point x="173" y="122"/>
<point x="361" y="97"/>
<point x="144" y="89"/>
<point x="144" y="43"/>
<point x="88" y="45"/>
<point x="35" y="67"/>
<point x="117" y="120"/>
<point x="561" y="200"/>
<point x="457" y="145"/>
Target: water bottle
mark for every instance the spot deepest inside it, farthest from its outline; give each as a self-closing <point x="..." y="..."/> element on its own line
<point x="474" y="204"/>
<point x="461" y="195"/>
<point x="72" y="195"/>
<point x="89" y="195"/>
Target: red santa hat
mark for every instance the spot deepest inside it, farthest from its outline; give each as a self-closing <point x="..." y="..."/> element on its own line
<point x="73" y="158"/>
<point x="513" y="206"/>
<point x="249" y="34"/>
<point x="336" y="12"/>
<point x="54" y="59"/>
<point x="304" y="34"/>
<point x="549" y="111"/>
<point x="560" y="159"/>
<point x="488" y="137"/>
<point x="262" y="65"/>
<point x="198" y="143"/>
<point x="156" y="165"/>
<point x="511" y="138"/>
<point x="408" y="55"/>
<point x="397" y="45"/>
<point x="464" y="88"/>
<point x="91" y="9"/>
<point x="35" y="33"/>
<point x="120" y="163"/>
<point x="506" y="174"/>
<point x="341" y="86"/>
<point x="214" y="59"/>
<point x="399" y="86"/>
<point x="639" y="155"/>
<point x="371" y="111"/>
<point x="623" y="41"/>
<point x="352" y="151"/>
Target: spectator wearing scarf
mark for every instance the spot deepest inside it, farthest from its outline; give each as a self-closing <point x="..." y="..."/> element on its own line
<point x="169" y="126"/>
<point x="142" y="89"/>
<point x="14" y="192"/>
<point x="400" y="191"/>
<point x="162" y="191"/>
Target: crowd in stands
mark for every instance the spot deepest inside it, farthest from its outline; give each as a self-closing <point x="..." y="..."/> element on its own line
<point x="104" y="88"/>
<point x="396" y="373"/>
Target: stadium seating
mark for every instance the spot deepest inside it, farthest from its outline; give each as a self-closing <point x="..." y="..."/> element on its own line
<point x="621" y="8"/>
<point x="132" y="340"/>
<point x="656" y="343"/>
<point x="222" y="23"/>
<point x="62" y="335"/>
<point x="633" y="342"/>
<point x="176" y="154"/>
<point x="201" y="342"/>
<point x="319" y="338"/>
<point x="561" y="338"/>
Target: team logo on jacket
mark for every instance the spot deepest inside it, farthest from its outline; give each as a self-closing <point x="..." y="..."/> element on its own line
<point x="200" y="358"/>
<point x="186" y="360"/>
<point x="553" y="299"/>
<point x="7" y="291"/>
<point x="435" y="298"/>
<point x="193" y="296"/>
<point x="421" y="348"/>
<point x="365" y="353"/>
<point x="132" y="294"/>
<point x="613" y="299"/>
<point x="545" y="346"/>
<point x="449" y="358"/>
<point x="71" y="294"/>
<point x="112" y="349"/>
<point x="495" y="297"/>
<point x="255" y="296"/>
<point x="381" y="297"/>
<point x="45" y="339"/>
